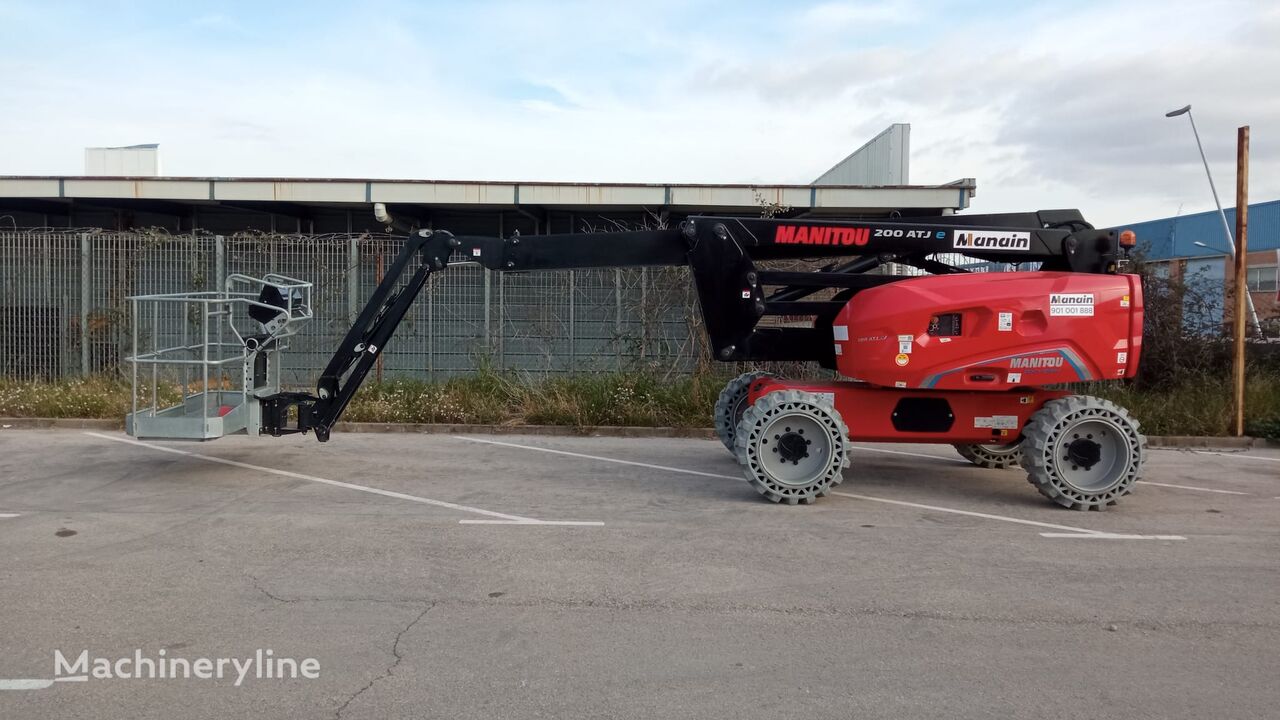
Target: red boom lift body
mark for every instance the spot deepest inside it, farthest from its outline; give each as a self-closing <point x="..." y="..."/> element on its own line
<point x="974" y="359"/>
<point x="986" y="344"/>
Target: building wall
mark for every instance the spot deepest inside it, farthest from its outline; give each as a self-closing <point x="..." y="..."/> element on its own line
<point x="1216" y="274"/>
<point x="1170" y="243"/>
<point x="1176" y="237"/>
<point x="884" y="160"/>
<point x="1265" y="302"/>
<point x="135" y="161"/>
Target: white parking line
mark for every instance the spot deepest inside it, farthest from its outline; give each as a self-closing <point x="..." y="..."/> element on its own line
<point x="1140" y="482"/>
<point x="530" y="522"/>
<point x="1237" y="456"/>
<point x="38" y="683"/>
<point x="1193" y="487"/>
<point x="970" y="513"/>
<point x="1112" y="536"/>
<point x="506" y="518"/>
<point x="8" y="515"/>
<point x="935" y="508"/>
<point x="597" y="457"/>
<point x="25" y="683"/>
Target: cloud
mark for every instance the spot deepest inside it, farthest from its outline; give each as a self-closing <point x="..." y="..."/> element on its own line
<point x="856" y="17"/>
<point x="1055" y="107"/>
<point x="1048" y="105"/>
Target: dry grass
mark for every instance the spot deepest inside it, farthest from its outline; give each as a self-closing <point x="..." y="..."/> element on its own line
<point x="91" y="397"/>
<point x="614" y="399"/>
<point x="1202" y="407"/>
<point x="1191" y="408"/>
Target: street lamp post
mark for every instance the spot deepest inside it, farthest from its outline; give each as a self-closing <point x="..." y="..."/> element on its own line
<point x="1226" y="227"/>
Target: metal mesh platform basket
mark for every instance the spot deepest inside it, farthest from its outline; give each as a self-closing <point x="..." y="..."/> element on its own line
<point x="201" y="360"/>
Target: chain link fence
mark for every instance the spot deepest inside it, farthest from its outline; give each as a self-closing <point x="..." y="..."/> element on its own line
<point x="64" y="310"/>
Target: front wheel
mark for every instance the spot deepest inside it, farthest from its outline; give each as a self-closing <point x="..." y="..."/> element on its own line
<point x="793" y="446"/>
<point x="1082" y="452"/>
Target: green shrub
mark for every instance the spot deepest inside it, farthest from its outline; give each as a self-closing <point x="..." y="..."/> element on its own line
<point x="91" y="397"/>
<point x="1267" y="427"/>
<point x="1193" y="407"/>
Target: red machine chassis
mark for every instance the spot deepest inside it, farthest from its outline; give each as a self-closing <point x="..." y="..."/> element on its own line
<point x="879" y="414"/>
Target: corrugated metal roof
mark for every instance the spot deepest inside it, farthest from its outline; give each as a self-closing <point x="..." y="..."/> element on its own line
<point x="830" y="198"/>
<point x="883" y="160"/>
<point x="1176" y="236"/>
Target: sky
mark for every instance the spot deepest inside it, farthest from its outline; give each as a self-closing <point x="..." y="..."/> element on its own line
<point x="1046" y="104"/>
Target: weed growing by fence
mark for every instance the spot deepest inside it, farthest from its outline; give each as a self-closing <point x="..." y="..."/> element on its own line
<point x="1202" y="407"/>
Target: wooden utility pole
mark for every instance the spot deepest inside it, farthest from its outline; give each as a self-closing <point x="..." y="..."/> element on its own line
<point x="1242" y="269"/>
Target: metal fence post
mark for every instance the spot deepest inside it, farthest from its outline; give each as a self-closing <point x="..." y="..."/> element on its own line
<point x="502" y="288"/>
<point x="353" y="279"/>
<point x="86" y="281"/>
<point x="573" y="335"/>
<point x="46" y="270"/>
<point x="219" y="262"/>
<point x="573" y="332"/>
<point x="431" y="331"/>
<point x="617" y="319"/>
<point x="488" y="347"/>
<point x="644" y="312"/>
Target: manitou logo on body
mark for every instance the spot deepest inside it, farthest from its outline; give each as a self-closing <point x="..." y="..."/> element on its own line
<point x="262" y="665"/>
<point x="818" y="235"/>
<point x="1071" y="304"/>
<point x="991" y="240"/>
<point x="1035" y="363"/>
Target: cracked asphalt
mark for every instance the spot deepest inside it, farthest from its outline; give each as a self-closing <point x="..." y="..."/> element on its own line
<point x="449" y="595"/>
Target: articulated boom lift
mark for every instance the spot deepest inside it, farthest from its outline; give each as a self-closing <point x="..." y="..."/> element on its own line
<point x="949" y="357"/>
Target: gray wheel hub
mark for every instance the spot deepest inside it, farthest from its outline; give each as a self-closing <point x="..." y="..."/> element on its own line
<point x="793" y="458"/>
<point x="1095" y="455"/>
<point x="792" y="447"/>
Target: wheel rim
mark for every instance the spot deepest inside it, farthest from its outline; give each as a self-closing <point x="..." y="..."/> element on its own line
<point x="1006" y="449"/>
<point x="738" y="407"/>
<point x="1093" y="455"/>
<point x="795" y="449"/>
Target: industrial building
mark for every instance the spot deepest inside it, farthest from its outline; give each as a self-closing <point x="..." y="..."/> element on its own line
<point x="1195" y="248"/>
<point x="73" y="248"/>
<point x="121" y="190"/>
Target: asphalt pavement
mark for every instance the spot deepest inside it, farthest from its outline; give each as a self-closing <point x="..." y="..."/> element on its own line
<point x="576" y="577"/>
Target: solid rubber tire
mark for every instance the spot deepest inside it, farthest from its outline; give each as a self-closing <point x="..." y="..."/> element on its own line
<point x="731" y="405"/>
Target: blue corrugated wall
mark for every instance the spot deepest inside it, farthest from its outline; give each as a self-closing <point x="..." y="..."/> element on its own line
<point x="1176" y="236"/>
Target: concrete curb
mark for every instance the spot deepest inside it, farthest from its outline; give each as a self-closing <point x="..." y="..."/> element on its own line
<point x="61" y="424"/>
<point x="417" y="428"/>
<point x="1155" y="441"/>
<point x="1201" y="441"/>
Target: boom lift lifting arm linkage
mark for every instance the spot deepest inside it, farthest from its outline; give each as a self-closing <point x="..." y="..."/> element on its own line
<point x="721" y="253"/>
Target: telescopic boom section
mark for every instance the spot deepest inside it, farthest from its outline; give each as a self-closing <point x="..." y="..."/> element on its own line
<point x="721" y="253"/>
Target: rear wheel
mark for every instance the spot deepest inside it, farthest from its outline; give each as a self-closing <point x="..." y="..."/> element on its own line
<point x="997" y="457"/>
<point x="1083" y="452"/>
<point x="793" y="446"/>
<point x="731" y="405"/>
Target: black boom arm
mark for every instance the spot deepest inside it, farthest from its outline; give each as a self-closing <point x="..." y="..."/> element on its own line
<point x="721" y="253"/>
